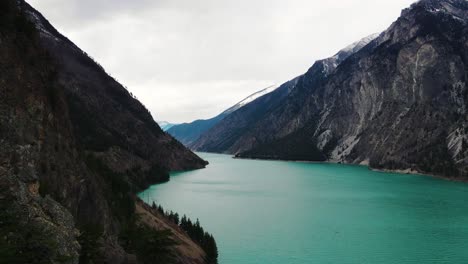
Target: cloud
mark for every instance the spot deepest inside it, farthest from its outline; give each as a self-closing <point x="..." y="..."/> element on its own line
<point x="190" y="59"/>
<point x="73" y="14"/>
<point x="204" y="97"/>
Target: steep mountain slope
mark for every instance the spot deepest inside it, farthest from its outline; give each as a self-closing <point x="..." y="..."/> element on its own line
<point x="75" y="147"/>
<point x="186" y="133"/>
<point x="189" y="132"/>
<point x="123" y="122"/>
<point x="399" y="103"/>
<point x="230" y="135"/>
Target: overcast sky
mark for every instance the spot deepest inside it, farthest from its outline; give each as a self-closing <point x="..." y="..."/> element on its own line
<point x="191" y="59"/>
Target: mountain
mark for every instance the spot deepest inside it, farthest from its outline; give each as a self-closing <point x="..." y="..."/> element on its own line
<point x="251" y="98"/>
<point x="75" y="148"/>
<point x="188" y="133"/>
<point x="228" y="135"/>
<point x="165" y="125"/>
<point x="398" y="103"/>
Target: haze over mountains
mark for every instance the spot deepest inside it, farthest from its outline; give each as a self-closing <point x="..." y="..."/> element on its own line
<point x="398" y="102"/>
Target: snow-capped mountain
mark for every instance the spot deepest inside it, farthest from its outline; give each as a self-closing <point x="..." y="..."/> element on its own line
<point x="223" y="136"/>
<point x="252" y="98"/>
<point x="189" y="133"/>
<point x="358" y="45"/>
<point x="395" y="101"/>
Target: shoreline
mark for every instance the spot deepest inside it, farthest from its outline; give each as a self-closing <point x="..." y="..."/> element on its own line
<point x="413" y="172"/>
<point x="398" y="171"/>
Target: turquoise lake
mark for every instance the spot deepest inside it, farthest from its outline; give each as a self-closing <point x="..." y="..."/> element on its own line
<point x="271" y="212"/>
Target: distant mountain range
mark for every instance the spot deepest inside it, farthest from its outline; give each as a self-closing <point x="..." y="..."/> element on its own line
<point x="76" y="146"/>
<point x="394" y="101"/>
<point x="165" y="125"/>
<point x="188" y="133"/>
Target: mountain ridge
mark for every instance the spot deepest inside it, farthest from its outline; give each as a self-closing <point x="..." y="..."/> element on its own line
<point x="188" y="133"/>
<point x="76" y="147"/>
<point x="399" y="103"/>
<point x="229" y="141"/>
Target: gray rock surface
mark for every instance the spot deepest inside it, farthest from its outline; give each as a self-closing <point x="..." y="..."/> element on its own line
<point x="399" y="103"/>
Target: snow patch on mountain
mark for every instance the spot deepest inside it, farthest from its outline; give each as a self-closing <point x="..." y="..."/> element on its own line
<point x="258" y="94"/>
<point x="252" y="98"/>
<point x="330" y="64"/>
<point x="355" y="47"/>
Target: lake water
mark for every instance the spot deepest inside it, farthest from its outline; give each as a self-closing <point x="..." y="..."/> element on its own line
<point x="272" y="212"/>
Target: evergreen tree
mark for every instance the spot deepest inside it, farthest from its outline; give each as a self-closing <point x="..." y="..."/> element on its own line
<point x="196" y="232"/>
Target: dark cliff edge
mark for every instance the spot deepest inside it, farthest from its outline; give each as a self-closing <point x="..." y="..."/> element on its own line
<point x="75" y="148"/>
<point x="399" y="103"/>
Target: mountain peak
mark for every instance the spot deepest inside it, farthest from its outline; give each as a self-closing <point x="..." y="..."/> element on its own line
<point x="456" y="8"/>
<point x="374" y="107"/>
<point x="328" y="65"/>
<point x="354" y="47"/>
<point x="439" y="3"/>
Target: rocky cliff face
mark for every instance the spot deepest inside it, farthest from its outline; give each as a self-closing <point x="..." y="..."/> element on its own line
<point x="233" y="134"/>
<point x="75" y="146"/>
<point x="399" y="103"/>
